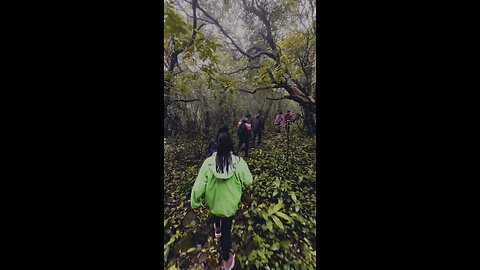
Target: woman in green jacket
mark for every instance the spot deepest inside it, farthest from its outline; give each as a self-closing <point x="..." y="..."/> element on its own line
<point x="222" y="177"/>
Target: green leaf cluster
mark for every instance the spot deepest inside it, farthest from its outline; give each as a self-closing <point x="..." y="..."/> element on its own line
<point x="275" y="226"/>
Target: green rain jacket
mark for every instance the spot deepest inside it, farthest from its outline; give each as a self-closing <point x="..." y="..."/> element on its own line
<point x="222" y="190"/>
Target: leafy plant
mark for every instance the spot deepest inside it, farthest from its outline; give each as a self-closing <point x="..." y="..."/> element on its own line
<point x="275" y="225"/>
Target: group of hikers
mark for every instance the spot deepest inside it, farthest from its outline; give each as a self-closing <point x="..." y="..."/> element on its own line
<point x="281" y="120"/>
<point x="250" y="128"/>
<point x="224" y="175"/>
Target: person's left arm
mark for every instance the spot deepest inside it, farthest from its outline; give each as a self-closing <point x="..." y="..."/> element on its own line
<point x="245" y="174"/>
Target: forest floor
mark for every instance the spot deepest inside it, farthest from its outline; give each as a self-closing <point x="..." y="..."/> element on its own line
<point x="275" y="225"/>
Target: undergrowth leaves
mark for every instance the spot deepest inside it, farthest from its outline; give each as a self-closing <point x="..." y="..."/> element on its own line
<point x="275" y="226"/>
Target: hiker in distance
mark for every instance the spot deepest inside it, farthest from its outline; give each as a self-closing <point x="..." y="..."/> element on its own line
<point x="288" y="116"/>
<point x="258" y="125"/>
<point x="279" y="120"/>
<point x="244" y="132"/>
<point x="212" y="146"/>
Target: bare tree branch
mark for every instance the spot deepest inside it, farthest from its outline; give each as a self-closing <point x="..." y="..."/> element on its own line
<point x="174" y="55"/>
<point x="194" y="31"/>
<point x="261" y="13"/>
<point x="227" y="35"/>
<point x="296" y="90"/>
<point x="270" y="74"/>
<point x="180" y="71"/>
<point x="241" y="69"/>
<point x="280" y="98"/>
<point x="222" y="29"/>
<point x="183" y="100"/>
<point x="299" y="85"/>
<point x="246" y="91"/>
<point x="202" y="25"/>
<point x="312" y="8"/>
<point x="258" y="88"/>
<point x="190" y="16"/>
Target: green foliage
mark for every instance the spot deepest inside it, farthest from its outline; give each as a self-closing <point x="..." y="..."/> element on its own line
<point x="202" y="52"/>
<point x="175" y="27"/>
<point x="292" y="48"/>
<point x="202" y="63"/>
<point x="297" y="46"/>
<point x="268" y="232"/>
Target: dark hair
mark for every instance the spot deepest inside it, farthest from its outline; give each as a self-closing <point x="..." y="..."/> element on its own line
<point x="223" y="129"/>
<point x="279" y="112"/>
<point x="288" y="111"/>
<point x="248" y="115"/>
<point x="212" y="142"/>
<point x="223" y="159"/>
<point x="259" y="111"/>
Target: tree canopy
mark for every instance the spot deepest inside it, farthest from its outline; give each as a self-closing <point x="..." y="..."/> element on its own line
<point x="224" y="58"/>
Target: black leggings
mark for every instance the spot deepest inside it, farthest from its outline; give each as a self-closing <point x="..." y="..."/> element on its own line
<point x="255" y="135"/>
<point x="243" y="141"/>
<point x="226" y="239"/>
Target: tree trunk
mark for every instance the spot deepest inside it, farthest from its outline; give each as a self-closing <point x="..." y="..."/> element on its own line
<point x="166" y="103"/>
<point x="207" y="121"/>
<point x="309" y="120"/>
<point x="165" y="122"/>
<point x="266" y="113"/>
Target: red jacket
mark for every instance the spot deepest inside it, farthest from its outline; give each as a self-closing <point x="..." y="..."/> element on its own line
<point x="248" y="126"/>
<point x="281" y="117"/>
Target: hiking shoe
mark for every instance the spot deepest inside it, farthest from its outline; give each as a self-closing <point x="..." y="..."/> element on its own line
<point x="218" y="231"/>
<point x="230" y="263"/>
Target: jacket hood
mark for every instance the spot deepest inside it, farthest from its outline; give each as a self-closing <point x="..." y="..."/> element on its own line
<point x="225" y="175"/>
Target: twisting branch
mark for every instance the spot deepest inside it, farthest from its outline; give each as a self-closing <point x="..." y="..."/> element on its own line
<point x="258" y="88"/>
<point x="194" y="31"/>
<point x="300" y="86"/>
<point x="270" y="74"/>
<point x="176" y="73"/>
<point x="280" y="98"/>
<point x="241" y="69"/>
<point x="312" y="8"/>
<point x="262" y="15"/>
<point x="224" y="32"/>
<point x="202" y="25"/>
<point x="295" y="89"/>
<point x="183" y="100"/>
<point x="221" y="29"/>
<point x="174" y="56"/>
<point x="246" y="91"/>
<point x="190" y="16"/>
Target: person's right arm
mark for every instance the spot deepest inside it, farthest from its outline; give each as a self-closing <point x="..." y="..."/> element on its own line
<point x="199" y="186"/>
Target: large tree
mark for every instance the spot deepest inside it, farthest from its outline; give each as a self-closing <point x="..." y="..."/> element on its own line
<point x="183" y="41"/>
<point x="279" y="42"/>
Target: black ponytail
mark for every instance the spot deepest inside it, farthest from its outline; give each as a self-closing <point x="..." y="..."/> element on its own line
<point x="224" y="149"/>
